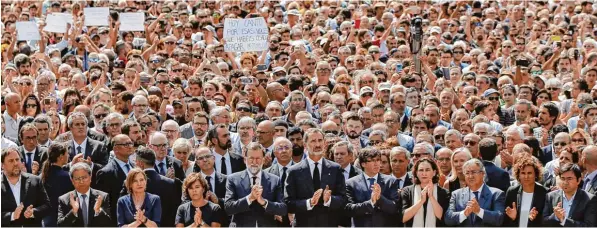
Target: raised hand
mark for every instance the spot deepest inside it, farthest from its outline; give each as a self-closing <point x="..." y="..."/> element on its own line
<point x="474" y="204"/>
<point x="29" y="212"/>
<point x="424" y="195"/>
<point x="170" y="173"/>
<point x="316" y="196"/>
<point x="17" y="213"/>
<point x="98" y="205"/>
<point x="327" y="194"/>
<point x="74" y="203"/>
<point x="197" y="217"/>
<point x="212" y="197"/>
<point x="468" y="210"/>
<point x="254" y="193"/>
<point x="559" y="212"/>
<point x="512" y="211"/>
<point x="34" y="168"/>
<point x="533" y="214"/>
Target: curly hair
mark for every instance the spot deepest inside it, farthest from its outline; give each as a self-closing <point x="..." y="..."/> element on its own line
<point x="524" y="162"/>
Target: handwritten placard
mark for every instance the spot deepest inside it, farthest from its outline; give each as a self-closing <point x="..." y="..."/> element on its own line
<point x="245" y="35"/>
<point x="27" y="30"/>
<point x="132" y="21"/>
<point x="97" y="16"/>
<point x="55" y="23"/>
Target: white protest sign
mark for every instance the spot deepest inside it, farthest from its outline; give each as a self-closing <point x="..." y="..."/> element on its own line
<point x="67" y="17"/>
<point x="132" y="21"/>
<point x="27" y="30"/>
<point x="55" y="23"/>
<point x="97" y="16"/>
<point x="245" y="35"/>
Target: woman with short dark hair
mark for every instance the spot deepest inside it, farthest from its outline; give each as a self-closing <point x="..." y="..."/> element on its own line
<point x="138" y="208"/>
<point x="198" y="212"/>
<point x="525" y="202"/>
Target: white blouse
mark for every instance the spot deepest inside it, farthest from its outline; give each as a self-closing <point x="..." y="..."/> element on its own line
<point x="525" y="208"/>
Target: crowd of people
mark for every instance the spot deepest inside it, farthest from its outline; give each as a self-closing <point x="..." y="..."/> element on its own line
<point x="343" y="121"/>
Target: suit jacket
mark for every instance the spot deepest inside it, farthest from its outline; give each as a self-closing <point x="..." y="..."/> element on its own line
<point x="407" y="181"/>
<point x="168" y="189"/>
<point x="220" y="187"/>
<point x="57" y="183"/>
<point x="546" y="156"/>
<point x="245" y="214"/>
<point x="236" y="162"/>
<point x="359" y="206"/>
<point x="99" y="155"/>
<point x="40" y="156"/>
<point x="127" y="209"/>
<point x="408" y="194"/>
<point x="93" y="134"/>
<point x="582" y="211"/>
<point x="593" y="186"/>
<point x="354" y="171"/>
<point x="110" y="179"/>
<point x="67" y="218"/>
<point x="32" y="193"/>
<point x="275" y="169"/>
<point x="299" y="189"/>
<point x="490" y="199"/>
<point x="172" y="162"/>
<point x="514" y="194"/>
<point x="186" y="131"/>
<point x="497" y="177"/>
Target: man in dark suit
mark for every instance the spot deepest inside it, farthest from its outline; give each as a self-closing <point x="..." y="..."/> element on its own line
<point x="254" y="197"/>
<point x="589" y="164"/>
<point x="546" y="155"/>
<point x="31" y="153"/>
<point x="372" y="196"/>
<point x="110" y="178"/>
<point x="24" y="199"/>
<point x="478" y="204"/>
<point x="399" y="159"/>
<point x="83" y="207"/>
<point x="570" y="206"/>
<point x="216" y="182"/>
<point x="166" y="188"/>
<point x="92" y="134"/>
<point x="283" y="154"/>
<point x="315" y="190"/>
<point x="353" y="129"/>
<point x="82" y="144"/>
<point x="165" y="165"/>
<point x="218" y="138"/>
<point x="344" y="156"/>
<point x="497" y="177"/>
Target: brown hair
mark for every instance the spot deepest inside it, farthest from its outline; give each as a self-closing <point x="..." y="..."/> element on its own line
<point x="130" y="179"/>
<point x="524" y="162"/>
<point x="190" y="180"/>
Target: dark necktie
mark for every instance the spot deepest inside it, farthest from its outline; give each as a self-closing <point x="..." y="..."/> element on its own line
<point x="284" y="174"/>
<point x="78" y="149"/>
<point x="477" y="198"/>
<point x="28" y="162"/>
<point x="127" y="167"/>
<point x="316" y="178"/>
<point x="371" y="182"/>
<point x="208" y="178"/>
<point x="254" y="180"/>
<point x="84" y="210"/>
<point x="398" y="183"/>
<point x="223" y="166"/>
<point x="162" y="168"/>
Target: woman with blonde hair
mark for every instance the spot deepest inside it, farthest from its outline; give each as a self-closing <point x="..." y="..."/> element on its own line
<point x="579" y="137"/>
<point x="456" y="179"/>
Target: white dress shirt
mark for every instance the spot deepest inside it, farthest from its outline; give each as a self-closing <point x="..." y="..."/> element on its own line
<point x="122" y="165"/>
<point x="83" y="145"/>
<point x="346" y="172"/>
<point x="402" y="179"/>
<point x="567" y="205"/>
<point x="16" y="192"/>
<point x="212" y="181"/>
<point x="525" y="208"/>
<point x="462" y="217"/>
<point x="218" y="161"/>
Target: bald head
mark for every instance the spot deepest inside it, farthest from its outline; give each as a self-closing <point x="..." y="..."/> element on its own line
<point x="84" y="109"/>
<point x="330" y="126"/>
<point x="590" y="157"/>
<point x="265" y="133"/>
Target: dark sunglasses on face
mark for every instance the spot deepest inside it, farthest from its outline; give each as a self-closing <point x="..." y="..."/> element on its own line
<point x="243" y="109"/>
<point x="100" y="116"/>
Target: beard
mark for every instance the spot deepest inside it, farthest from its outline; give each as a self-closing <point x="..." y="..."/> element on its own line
<point x="224" y="146"/>
<point x="298" y="150"/>
<point x="254" y="170"/>
<point x="199" y="132"/>
<point x="353" y="135"/>
<point x="274" y="48"/>
<point x="15" y="172"/>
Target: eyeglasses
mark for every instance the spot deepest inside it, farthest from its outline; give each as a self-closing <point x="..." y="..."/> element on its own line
<point x="176" y="70"/>
<point x="243" y="109"/>
<point x="552" y="89"/>
<point x="418" y="155"/>
<point x="81" y="179"/>
<point x="169" y="42"/>
<point x="578" y="140"/>
<point x="331" y="132"/>
<point x="160" y="145"/>
<point x="493" y="98"/>
<point x="437" y="137"/>
<point x="31" y="106"/>
<point x="471" y="173"/>
<point x="126" y="144"/>
<point x="26" y="83"/>
<point x="204" y="157"/>
<point x="367" y="95"/>
<point x="468" y="142"/>
<point x="101" y="116"/>
<point x="283" y="148"/>
<point x="162" y="82"/>
<point x="560" y="144"/>
<point x="114" y="125"/>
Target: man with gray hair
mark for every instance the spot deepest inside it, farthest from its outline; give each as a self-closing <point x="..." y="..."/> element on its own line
<point x="399" y="160"/>
<point x="453" y="139"/>
<point x="84" y="198"/>
<point x="483" y="130"/>
<point x="83" y="147"/>
<point x="140" y="107"/>
<point x="170" y="129"/>
<point x="43" y="123"/>
<point x="477" y="204"/>
<point x="422" y="150"/>
<point x="165" y="165"/>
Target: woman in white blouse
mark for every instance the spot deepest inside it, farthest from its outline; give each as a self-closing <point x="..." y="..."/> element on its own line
<point x="525" y="202"/>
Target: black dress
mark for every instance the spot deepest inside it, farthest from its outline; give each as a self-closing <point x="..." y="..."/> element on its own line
<point x="57" y="183"/>
<point x="407" y="195"/>
<point x="210" y="212"/>
<point x="453" y="185"/>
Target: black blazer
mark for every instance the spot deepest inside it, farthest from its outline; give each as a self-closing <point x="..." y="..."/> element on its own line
<point x="32" y="193"/>
<point x="57" y="183"/>
<point x="238" y="188"/>
<point x="582" y="211"/>
<point x="40" y="156"/>
<point x="514" y="194"/>
<point x="99" y="154"/>
<point x="497" y="177"/>
<point x="176" y="165"/>
<point x="353" y="171"/>
<point x="220" y="188"/>
<point x="110" y="179"/>
<point x="365" y="214"/>
<point x="299" y="188"/>
<point x="211" y="212"/>
<point x="168" y="189"/>
<point x="546" y="155"/>
<point x="408" y="194"/>
<point x="593" y="188"/>
<point x="67" y="218"/>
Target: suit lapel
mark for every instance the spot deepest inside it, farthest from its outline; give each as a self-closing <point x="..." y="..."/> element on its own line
<point x="24" y="187"/>
<point x="575" y="202"/>
<point x="325" y="173"/>
<point x="518" y="198"/>
<point x="88" y="149"/>
<point x="246" y="181"/>
<point x="485" y="198"/>
<point x="307" y="172"/>
<point x="592" y="185"/>
<point x="6" y="188"/>
<point x="90" y="207"/>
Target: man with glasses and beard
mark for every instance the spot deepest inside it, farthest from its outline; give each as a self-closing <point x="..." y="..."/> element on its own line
<point x="218" y="140"/>
<point x="24" y="199"/>
<point x="315" y="189"/>
<point x="263" y="204"/>
<point x="134" y="131"/>
<point x="352" y="131"/>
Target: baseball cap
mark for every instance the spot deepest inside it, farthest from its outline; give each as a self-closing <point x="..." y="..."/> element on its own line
<point x="365" y="90"/>
<point x="278" y="69"/>
<point x="384" y="86"/>
<point x="294" y="12"/>
<point x="435" y="29"/>
<point x="489" y="92"/>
